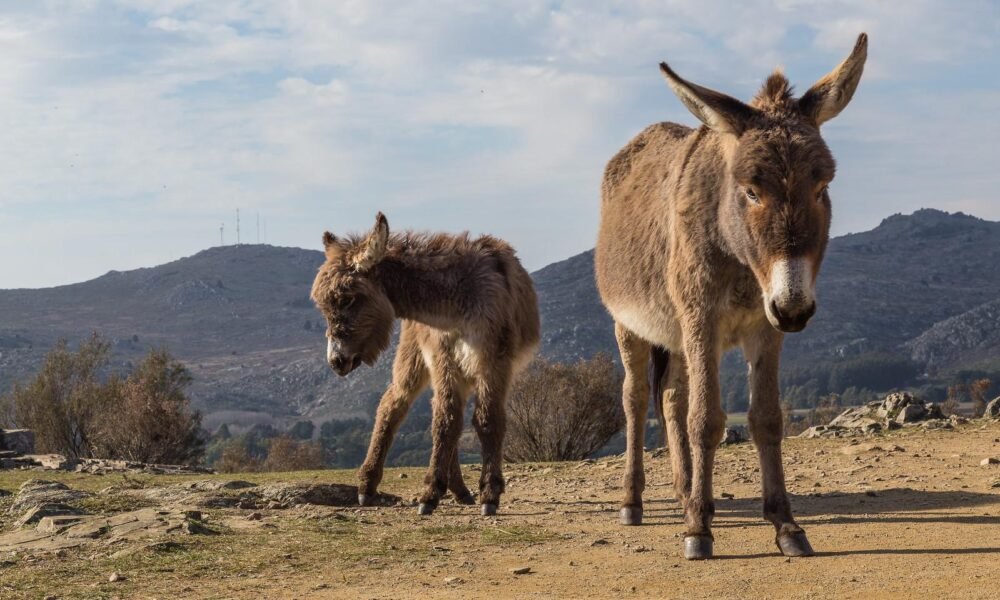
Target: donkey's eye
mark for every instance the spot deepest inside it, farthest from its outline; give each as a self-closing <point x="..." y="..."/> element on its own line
<point x="751" y="196"/>
<point x="822" y="192"/>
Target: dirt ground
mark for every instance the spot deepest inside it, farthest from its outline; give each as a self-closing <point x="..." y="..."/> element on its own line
<point x="908" y="515"/>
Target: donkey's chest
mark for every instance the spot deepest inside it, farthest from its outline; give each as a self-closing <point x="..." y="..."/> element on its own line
<point x="738" y="310"/>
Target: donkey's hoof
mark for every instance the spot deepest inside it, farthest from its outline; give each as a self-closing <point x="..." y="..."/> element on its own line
<point x="468" y="499"/>
<point x="794" y="544"/>
<point x="488" y="510"/>
<point x="426" y="508"/>
<point x="697" y="547"/>
<point x="366" y="500"/>
<point x="630" y="515"/>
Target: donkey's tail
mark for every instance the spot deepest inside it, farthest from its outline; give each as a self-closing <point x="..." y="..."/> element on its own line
<point x="659" y="362"/>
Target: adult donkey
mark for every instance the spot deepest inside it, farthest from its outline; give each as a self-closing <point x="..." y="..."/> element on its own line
<point x="712" y="238"/>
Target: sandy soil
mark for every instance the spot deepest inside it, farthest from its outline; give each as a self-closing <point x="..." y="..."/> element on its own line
<point x="909" y="515"/>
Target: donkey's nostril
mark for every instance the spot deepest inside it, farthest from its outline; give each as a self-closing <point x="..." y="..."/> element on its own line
<point x="776" y="311"/>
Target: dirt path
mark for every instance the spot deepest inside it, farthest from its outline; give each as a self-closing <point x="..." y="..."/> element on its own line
<point x="911" y="515"/>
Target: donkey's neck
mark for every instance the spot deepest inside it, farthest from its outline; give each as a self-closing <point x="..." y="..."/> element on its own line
<point x="428" y="288"/>
<point x="711" y="217"/>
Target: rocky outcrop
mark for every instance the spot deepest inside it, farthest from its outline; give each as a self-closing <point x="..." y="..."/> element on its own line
<point x="243" y="494"/>
<point x="896" y="410"/>
<point x="39" y="492"/>
<point x="17" y="448"/>
<point x="58" y="533"/>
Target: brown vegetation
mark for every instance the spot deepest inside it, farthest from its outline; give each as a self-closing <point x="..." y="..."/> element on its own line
<point x="562" y="411"/>
<point x="78" y="409"/>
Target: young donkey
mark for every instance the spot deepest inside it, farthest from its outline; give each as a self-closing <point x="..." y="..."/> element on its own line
<point x="709" y="239"/>
<point x="470" y="322"/>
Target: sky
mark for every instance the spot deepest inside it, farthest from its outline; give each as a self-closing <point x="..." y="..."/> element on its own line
<point x="133" y="129"/>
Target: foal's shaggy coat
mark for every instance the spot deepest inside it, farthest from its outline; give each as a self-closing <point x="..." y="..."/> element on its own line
<point x="470" y="322"/>
<point x="712" y="238"/>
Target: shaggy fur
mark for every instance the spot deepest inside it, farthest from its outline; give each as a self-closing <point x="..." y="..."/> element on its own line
<point x="712" y="238"/>
<point x="470" y="322"/>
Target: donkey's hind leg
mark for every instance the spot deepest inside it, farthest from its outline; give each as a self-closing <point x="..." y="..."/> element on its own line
<point x="635" y="399"/>
<point x="490" y="421"/>
<point x="456" y="484"/>
<point x="761" y="352"/>
<point x="409" y="379"/>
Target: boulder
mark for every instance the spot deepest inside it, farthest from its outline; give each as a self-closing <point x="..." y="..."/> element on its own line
<point x="38" y="492"/>
<point x="736" y="434"/>
<point x="856" y="418"/>
<point x="893" y="403"/>
<point x="993" y="409"/>
<point x="284" y="495"/>
<point x="21" y="441"/>
<point x="827" y="431"/>
<point x="47" y="510"/>
<point x="911" y="413"/>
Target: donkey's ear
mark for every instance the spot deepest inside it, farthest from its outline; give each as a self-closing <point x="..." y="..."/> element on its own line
<point x="373" y="249"/>
<point x="828" y="96"/>
<point x="328" y="239"/>
<point x="720" y="112"/>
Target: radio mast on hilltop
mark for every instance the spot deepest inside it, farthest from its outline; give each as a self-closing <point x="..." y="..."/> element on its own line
<point x="237" y="227"/>
<point x="222" y="237"/>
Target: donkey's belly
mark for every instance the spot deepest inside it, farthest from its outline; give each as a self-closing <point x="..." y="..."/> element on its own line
<point x="656" y="325"/>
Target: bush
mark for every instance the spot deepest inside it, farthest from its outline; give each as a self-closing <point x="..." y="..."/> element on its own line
<point x="563" y="412"/>
<point x="65" y="401"/>
<point x="150" y="419"/>
<point x="288" y="454"/>
<point x="236" y="458"/>
<point x="73" y="411"/>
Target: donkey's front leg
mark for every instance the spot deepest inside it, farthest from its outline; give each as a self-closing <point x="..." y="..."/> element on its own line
<point x="409" y="379"/>
<point x="675" y="413"/>
<point x="448" y="405"/>
<point x="635" y="400"/>
<point x="762" y="351"/>
<point x="706" y="423"/>
<point x="490" y="421"/>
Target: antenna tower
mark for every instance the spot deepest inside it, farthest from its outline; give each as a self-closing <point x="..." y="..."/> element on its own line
<point x="237" y="227"/>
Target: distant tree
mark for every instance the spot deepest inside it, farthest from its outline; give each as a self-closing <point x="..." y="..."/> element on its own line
<point x="66" y="400"/>
<point x="977" y="391"/>
<point x="288" y="454"/>
<point x="308" y="325"/>
<point x="563" y="411"/>
<point x="302" y="430"/>
<point x="235" y="458"/>
<point x="345" y="442"/>
<point x="956" y="393"/>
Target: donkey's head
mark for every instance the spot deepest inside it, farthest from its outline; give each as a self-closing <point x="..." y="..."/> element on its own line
<point x="775" y="211"/>
<point x="358" y="313"/>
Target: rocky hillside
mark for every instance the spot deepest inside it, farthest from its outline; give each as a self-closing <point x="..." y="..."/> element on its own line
<point x="924" y="285"/>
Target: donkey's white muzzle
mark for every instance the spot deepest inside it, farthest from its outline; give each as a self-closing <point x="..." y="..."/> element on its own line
<point x="790" y="300"/>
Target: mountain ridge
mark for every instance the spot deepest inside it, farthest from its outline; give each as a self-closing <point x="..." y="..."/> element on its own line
<point x="240" y="316"/>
